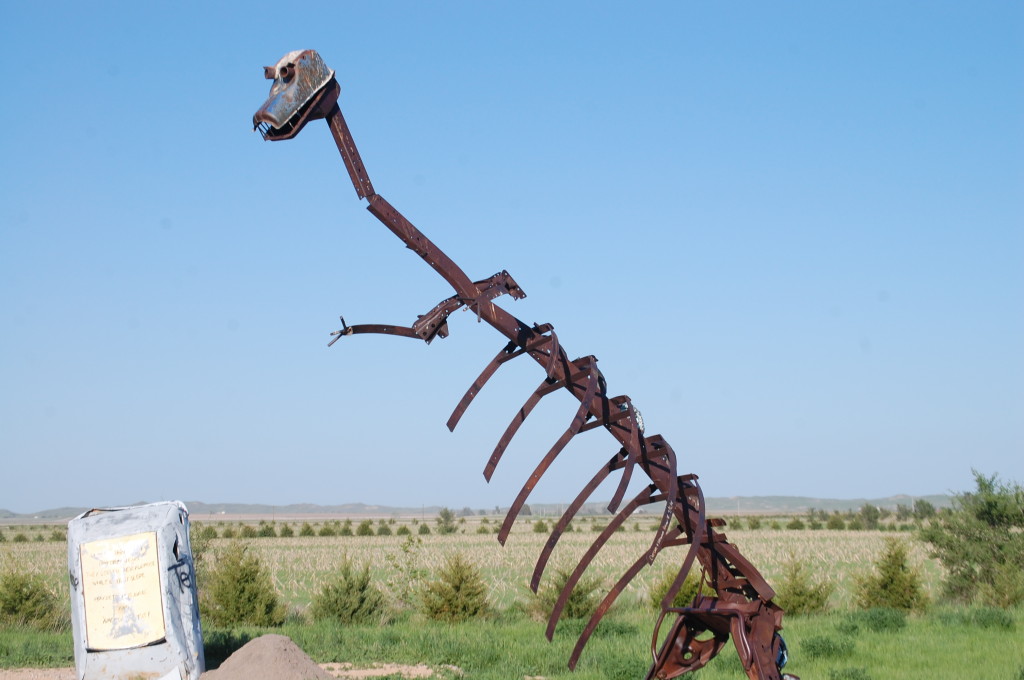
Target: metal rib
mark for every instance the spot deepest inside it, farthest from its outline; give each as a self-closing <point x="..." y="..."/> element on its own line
<point x="544" y="389"/>
<point x="636" y="450"/>
<point x="613" y="464"/>
<point x="608" y="601"/>
<point x="478" y="385"/>
<point x="509" y="352"/>
<point x="696" y="536"/>
<point x="577" y="422"/>
<point x="646" y="496"/>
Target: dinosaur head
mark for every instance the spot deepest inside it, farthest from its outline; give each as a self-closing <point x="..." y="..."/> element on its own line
<point x="304" y="89"/>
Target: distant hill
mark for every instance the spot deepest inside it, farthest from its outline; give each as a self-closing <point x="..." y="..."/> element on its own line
<point x="782" y="505"/>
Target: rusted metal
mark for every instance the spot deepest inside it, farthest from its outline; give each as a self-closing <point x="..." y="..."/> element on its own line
<point x="743" y="606"/>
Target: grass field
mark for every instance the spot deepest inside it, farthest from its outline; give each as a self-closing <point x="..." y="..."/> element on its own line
<point x="942" y="643"/>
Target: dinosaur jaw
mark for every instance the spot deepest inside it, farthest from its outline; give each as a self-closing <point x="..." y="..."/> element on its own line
<point x="304" y="89"/>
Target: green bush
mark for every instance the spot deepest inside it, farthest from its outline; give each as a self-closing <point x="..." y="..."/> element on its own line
<point x="25" y="600"/>
<point x="20" y="538"/>
<point x="540" y="527"/>
<point x="238" y="590"/>
<point x="835" y="522"/>
<point x="459" y="592"/>
<point x="404" y="586"/>
<point x="581" y="603"/>
<point x="849" y="674"/>
<point x="365" y="528"/>
<point x="266" y="531"/>
<point x="58" y="535"/>
<point x="287" y="531"/>
<point x="446" y="522"/>
<point x="823" y="647"/>
<point x="403" y="530"/>
<point x="349" y="597"/>
<point x="383" y="530"/>
<point x="798" y="591"/>
<point x="893" y="583"/>
<point x="3" y="538"/>
<point x="877" y="620"/>
<point x="796" y="524"/>
<point x="327" y="530"/>
<point x="227" y="533"/>
<point x="248" y="531"/>
<point x="687" y="592"/>
<point x="482" y="529"/>
<point x="205" y="531"/>
<point x="423" y="530"/>
<point x="754" y="523"/>
<point x="307" y="529"/>
<point x="980" y="617"/>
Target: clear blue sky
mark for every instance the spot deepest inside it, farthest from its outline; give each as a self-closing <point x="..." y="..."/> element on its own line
<point x="791" y="232"/>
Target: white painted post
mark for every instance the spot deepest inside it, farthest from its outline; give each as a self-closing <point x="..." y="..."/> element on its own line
<point x="134" y="608"/>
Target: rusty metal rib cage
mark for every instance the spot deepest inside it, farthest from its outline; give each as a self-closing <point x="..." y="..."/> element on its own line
<point x="742" y="606"/>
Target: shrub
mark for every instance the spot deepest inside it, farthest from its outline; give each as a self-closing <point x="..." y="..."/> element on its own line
<point x="835" y="522"/>
<point x="405" y="585"/>
<point x="383" y="530"/>
<point x="365" y="528"/>
<point x="403" y="530"/>
<point x="307" y="529"/>
<point x="349" y="597"/>
<point x="20" y="538"/>
<point x="423" y="530"/>
<point x="981" y="542"/>
<point x="796" y="524"/>
<point x="799" y="592"/>
<point x="446" y="522"/>
<point x="687" y="592"/>
<point x="849" y="674"/>
<point x="754" y="523"/>
<point x="482" y="529"/>
<point x="540" y="527"/>
<point x="458" y="594"/>
<point x="581" y="603"/>
<point x="248" y="531"/>
<point x="287" y="531"/>
<point x="205" y="532"/>
<point x="327" y="530"/>
<point x="25" y="600"/>
<point x="238" y="590"/>
<point x="893" y="583"/>
<point x="774" y="525"/>
<point x="2" y="537"/>
<point x="822" y="647"/>
<point x="266" y="531"/>
<point x="981" y="617"/>
<point x="877" y="620"/>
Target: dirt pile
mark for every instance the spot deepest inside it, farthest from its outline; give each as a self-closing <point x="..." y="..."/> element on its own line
<point x="269" y="657"/>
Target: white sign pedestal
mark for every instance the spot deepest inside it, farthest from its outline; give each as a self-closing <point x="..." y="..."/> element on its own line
<point x="134" y="609"/>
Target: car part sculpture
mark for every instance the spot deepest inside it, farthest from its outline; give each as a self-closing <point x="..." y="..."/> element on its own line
<point x="304" y="89"/>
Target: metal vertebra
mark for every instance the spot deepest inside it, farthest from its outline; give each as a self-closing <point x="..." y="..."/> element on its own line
<point x="305" y="89"/>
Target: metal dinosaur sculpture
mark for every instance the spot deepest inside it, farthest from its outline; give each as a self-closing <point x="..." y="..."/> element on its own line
<point x="305" y="89"/>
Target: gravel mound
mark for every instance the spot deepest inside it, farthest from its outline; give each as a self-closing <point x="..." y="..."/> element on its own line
<point x="269" y="657"/>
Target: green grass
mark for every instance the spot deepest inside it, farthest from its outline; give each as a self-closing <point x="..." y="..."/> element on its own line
<point x="936" y="646"/>
<point x="942" y="643"/>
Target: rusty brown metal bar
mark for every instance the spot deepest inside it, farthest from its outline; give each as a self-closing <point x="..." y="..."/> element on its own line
<point x="305" y="89"/>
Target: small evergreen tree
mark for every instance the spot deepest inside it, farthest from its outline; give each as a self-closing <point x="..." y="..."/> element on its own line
<point x="799" y="592"/>
<point x="446" y="522"/>
<point x="365" y="528"/>
<point x="581" y="603"/>
<point x="893" y="583"/>
<point x="349" y="597"/>
<point x="238" y="590"/>
<point x="459" y="592"/>
<point x="307" y="529"/>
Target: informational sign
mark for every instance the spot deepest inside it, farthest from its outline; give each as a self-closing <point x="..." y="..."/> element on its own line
<point x="134" y="605"/>
<point x="122" y="592"/>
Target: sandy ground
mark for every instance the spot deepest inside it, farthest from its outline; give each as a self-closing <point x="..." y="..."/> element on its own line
<point x="338" y="670"/>
<point x="268" y="657"/>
